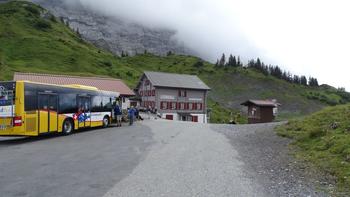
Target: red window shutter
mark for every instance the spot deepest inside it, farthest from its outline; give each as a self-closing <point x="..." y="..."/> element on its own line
<point x="153" y="92"/>
<point x="187" y="106"/>
<point x="194" y="106"/>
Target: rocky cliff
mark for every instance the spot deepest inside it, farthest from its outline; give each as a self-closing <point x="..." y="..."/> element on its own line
<point x="113" y="34"/>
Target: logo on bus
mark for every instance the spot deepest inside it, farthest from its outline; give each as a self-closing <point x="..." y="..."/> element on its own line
<point x="81" y="117"/>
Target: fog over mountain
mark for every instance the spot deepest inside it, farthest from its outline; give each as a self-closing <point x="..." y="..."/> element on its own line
<point x="309" y="38"/>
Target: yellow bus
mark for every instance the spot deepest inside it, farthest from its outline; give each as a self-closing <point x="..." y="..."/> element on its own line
<point x="32" y="109"/>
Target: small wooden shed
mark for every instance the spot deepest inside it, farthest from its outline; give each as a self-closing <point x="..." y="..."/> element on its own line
<point x="261" y="111"/>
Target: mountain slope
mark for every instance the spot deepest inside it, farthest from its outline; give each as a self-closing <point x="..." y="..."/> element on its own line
<point x="114" y="34"/>
<point x="32" y="40"/>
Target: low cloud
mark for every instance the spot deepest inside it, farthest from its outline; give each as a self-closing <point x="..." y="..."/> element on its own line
<point x="305" y="37"/>
<point x="204" y="26"/>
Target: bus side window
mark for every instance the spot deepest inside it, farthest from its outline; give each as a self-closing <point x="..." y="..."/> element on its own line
<point x="43" y="101"/>
<point x="96" y="103"/>
<point x="53" y="103"/>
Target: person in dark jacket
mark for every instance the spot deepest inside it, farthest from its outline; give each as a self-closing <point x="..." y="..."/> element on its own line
<point x="131" y="115"/>
<point x="118" y="115"/>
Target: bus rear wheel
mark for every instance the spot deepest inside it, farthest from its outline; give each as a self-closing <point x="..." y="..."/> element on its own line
<point x="67" y="127"/>
<point x="105" y="122"/>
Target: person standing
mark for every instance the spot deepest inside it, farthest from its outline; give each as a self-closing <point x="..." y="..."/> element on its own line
<point x="149" y="112"/>
<point x="131" y="115"/>
<point x="118" y="115"/>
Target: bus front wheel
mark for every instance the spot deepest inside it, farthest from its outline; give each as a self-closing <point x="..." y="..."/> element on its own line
<point x="67" y="127"/>
<point x="105" y="121"/>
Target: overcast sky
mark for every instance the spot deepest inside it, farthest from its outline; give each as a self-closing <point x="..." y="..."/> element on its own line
<point x="310" y="37"/>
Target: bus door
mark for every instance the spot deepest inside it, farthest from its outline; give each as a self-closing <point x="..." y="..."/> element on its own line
<point x="84" y="111"/>
<point x="48" y="116"/>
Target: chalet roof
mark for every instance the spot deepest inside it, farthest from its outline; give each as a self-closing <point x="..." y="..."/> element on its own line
<point x="160" y="79"/>
<point x="106" y="84"/>
<point x="262" y="103"/>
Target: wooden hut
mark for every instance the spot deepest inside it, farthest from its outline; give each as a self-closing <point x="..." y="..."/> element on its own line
<point x="261" y="111"/>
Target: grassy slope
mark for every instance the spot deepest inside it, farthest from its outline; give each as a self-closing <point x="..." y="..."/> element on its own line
<point x="324" y="140"/>
<point x="26" y="45"/>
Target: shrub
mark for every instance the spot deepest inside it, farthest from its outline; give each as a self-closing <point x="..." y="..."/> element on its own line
<point x="107" y="63"/>
<point x="33" y="10"/>
<point x="198" y="64"/>
<point x="129" y="74"/>
<point x="42" y="24"/>
<point x="53" y="18"/>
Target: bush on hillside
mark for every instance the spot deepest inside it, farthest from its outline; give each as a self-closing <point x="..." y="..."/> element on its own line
<point x="42" y="24"/>
<point x="107" y="63"/>
<point x="33" y="10"/>
<point x="198" y="64"/>
<point x="53" y="18"/>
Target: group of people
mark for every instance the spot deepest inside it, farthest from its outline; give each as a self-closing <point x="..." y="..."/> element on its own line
<point x="133" y="114"/>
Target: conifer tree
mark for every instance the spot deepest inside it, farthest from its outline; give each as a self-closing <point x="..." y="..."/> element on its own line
<point x="239" y="63"/>
<point x="303" y="80"/>
<point x="222" y="61"/>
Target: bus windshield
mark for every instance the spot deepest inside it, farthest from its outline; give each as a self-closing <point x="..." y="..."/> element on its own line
<point x="7" y="93"/>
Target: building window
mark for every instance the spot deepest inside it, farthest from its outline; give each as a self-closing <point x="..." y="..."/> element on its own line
<point x="194" y="106"/>
<point x="190" y="106"/>
<point x="187" y="106"/>
<point x="173" y="105"/>
<point x="153" y="92"/>
<point x="182" y="106"/>
<point x="200" y="106"/>
<point x="163" y="105"/>
<point x="182" y="93"/>
<point x="147" y="82"/>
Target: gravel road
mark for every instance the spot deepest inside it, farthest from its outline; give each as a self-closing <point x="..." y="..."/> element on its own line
<point x="214" y="160"/>
<point x="268" y="156"/>
<point x="154" y="158"/>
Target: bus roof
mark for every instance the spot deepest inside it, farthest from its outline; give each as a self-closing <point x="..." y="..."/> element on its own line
<point x="74" y="86"/>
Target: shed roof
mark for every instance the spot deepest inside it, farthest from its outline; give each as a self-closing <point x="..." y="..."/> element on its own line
<point x="107" y="84"/>
<point x="161" y="79"/>
<point x="262" y="103"/>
